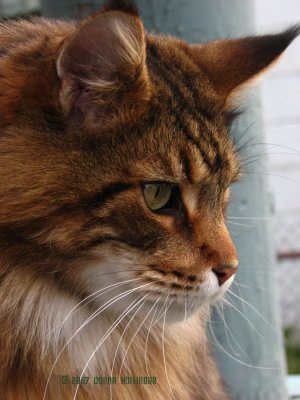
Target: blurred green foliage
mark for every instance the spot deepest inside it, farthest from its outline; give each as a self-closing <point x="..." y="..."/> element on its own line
<point x="292" y="348"/>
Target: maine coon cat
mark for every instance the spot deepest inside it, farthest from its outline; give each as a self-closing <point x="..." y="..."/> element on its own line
<point x="115" y="167"/>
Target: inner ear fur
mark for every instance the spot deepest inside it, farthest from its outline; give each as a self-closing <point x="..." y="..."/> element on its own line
<point x="231" y="63"/>
<point x="102" y="65"/>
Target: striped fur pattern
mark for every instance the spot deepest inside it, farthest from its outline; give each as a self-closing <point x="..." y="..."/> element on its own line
<point x="92" y="281"/>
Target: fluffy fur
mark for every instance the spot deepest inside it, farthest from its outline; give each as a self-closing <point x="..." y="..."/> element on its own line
<point x="89" y="113"/>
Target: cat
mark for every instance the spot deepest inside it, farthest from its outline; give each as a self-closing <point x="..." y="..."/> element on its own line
<point x="115" y="167"/>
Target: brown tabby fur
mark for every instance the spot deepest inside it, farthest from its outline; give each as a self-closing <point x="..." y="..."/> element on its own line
<point x="79" y="134"/>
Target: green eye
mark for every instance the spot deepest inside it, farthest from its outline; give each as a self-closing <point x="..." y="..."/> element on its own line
<point x="157" y="195"/>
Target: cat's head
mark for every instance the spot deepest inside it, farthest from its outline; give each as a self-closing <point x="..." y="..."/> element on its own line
<point x="116" y="160"/>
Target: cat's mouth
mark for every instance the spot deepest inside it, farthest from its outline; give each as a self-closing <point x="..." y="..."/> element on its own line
<point x="183" y="294"/>
<point x="178" y="283"/>
<point x="125" y="283"/>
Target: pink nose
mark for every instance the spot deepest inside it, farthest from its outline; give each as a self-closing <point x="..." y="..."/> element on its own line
<point x="224" y="272"/>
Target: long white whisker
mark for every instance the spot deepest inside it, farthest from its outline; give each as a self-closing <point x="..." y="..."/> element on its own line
<point x="159" y="313"/>
<point x="239" y="224"/>
<point x="254" y="309"/>
<point x="233" y="358"/>
<point x="227" y="329"/>
<point x="185" y="311"/>
<point x="123" y="333"/>
<point x="116" y="298"/>
<point x="221" y="314"/>
<point x="162" y="314"/>
<point x="243" y="305"/>
<point x="191" y="306"/>
<point x="274" y="175"/>
<point x="136" y="332"/>
<point x="95" y="314"/>
<point x="252" y="218"/>
<point x="271" y="109"/>
<point x="146" y="344"/>
<point x="245" y="318"/>
<point x="106" y="335"/>
<point x="164" y="354"/>
<point x="103" y="290"/>
<point x="237" y="283"/>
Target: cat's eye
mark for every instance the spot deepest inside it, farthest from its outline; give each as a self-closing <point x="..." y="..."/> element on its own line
<point x="157" y="195"/>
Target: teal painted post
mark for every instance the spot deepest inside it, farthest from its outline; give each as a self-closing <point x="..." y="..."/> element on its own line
<point x="251" y="356"/>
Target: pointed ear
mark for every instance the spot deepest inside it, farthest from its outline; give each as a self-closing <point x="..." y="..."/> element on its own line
<point x="231" y="63"/>
<point x="102" y="66"/>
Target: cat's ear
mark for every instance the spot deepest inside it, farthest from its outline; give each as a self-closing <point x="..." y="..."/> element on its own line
<point x="232" y="63"/>
<point x="102" y="65"/>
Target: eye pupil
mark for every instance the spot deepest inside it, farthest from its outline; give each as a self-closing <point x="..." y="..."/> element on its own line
<point x="157" y="191"/>
<point x="157" y="195"/>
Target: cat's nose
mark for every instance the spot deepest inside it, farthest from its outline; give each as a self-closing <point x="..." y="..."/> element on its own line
<point x="224" y="272"/>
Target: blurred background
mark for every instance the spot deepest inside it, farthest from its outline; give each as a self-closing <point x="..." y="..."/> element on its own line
<point x="280" y="103"/>
<point x="280" y="92"/>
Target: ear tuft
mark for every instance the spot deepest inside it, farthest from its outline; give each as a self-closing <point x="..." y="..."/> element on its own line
<point x="275" y="44"/>
<point x="127" y="6"/>
<point x="231" y="63"/>
<point x="293" y="32"/>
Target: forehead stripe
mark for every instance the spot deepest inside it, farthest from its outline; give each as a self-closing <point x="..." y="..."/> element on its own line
<point x="186" y="165"/>
<point x="184" y="103"/>
<point x="182" y="126"/>
<point x="189" y="85"/>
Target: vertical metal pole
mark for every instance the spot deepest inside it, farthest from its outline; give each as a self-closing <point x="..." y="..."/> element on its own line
<point x="251" y="357"/>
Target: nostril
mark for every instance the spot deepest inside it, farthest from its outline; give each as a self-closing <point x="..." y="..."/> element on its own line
<point x="221" y="277"/>
<point x="224" y="272"/>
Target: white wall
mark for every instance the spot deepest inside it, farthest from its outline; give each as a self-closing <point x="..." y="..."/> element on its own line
<point x="281" y="115"/>
<point x="281" y="104"/>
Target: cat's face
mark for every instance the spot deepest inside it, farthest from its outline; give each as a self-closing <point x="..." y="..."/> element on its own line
<point x="167" y="195"/>
<point x="115" y="183"/>
<point x="160" y="220"/>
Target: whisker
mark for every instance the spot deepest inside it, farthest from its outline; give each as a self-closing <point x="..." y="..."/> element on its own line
<point x="106" y="335"/>
<point x="78" y="307"/>
<point x="191" y="306"/>
<point x="123" y="360"/>
<point x="164" y="354"/>
<point x="238" y="224"/>
<point x="261" y="117"/>
<point x="123" y="333"/>
<point x="275" y="176"/>
<point x="227" y="329"/>
<point x="161" y="314"/>
<point x="254" y="309"/>
<point x="243" y="305"/>
<point x="236" y="359"/>
<point x="251" y="218"/>
<point x="94" y="315"/>
<point x="265" y="144"/>
<point x="146" y="344"/>
<point x="221" y="314"/>
<point x="185" y="311"/>
<point x="238" y="283"/>
<point x="244" y="317"/>
<point x="103" y="290"/>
